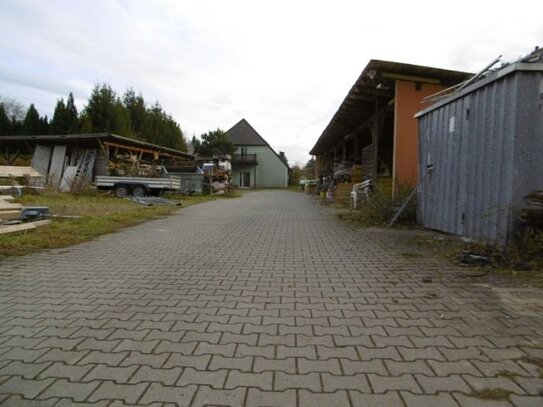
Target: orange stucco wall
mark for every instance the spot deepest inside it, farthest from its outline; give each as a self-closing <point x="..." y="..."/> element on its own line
<point x="407" y="103"/>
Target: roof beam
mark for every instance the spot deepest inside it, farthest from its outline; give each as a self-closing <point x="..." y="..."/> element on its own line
<point x="411" y="78"/>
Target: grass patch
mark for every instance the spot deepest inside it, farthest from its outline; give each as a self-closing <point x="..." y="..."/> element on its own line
<point x="491" y="394"/>
<point x="536" y="362"/>
<point x="411" y="255"/>
<point x="99" y="214"/>
<point x="507" y="374"/>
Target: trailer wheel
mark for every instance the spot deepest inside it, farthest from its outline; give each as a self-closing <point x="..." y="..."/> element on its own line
<point x="139" y="192"/>
<point x="121" y="191"/>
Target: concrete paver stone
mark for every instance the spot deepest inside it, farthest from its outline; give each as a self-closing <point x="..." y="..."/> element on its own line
<point x="266" y="300"/>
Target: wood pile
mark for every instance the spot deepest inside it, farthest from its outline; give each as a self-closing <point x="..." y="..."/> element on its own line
<point x="9" y="210"/>
<point x="342" y="194"/>
<point x="11" y="171"/>
<point x="14" y="178"/>
<point x="10" y="213"/>
<point x="343" y="190"/>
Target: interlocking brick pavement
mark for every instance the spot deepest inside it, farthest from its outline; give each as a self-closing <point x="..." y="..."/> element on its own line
<point x="267" y="300"/>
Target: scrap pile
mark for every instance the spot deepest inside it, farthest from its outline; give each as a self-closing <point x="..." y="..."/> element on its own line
<point x="218" y="176"/>
<point x="13" y="216"/>
<point x="132" y="165"/>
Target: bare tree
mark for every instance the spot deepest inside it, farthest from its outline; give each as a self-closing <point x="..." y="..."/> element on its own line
<point x="14" y="109"/>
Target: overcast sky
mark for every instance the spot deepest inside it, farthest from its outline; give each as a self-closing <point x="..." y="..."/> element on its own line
<point x="284" y="66"/>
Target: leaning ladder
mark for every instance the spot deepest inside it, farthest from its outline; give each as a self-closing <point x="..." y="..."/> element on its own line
<point x="85" y="167"/>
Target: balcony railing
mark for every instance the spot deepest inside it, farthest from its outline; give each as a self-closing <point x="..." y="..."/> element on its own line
<point x="241" y="159"/>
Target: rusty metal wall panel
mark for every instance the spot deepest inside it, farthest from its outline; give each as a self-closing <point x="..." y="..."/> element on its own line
<point x="480" y="154"/>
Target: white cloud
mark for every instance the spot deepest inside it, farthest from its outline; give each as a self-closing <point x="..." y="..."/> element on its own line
<point x="285" y="66"/>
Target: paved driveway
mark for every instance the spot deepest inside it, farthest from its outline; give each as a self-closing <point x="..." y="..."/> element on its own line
<point x="261" y="301"/>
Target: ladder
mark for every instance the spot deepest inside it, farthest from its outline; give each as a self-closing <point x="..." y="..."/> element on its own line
<point x="85" y="166"/>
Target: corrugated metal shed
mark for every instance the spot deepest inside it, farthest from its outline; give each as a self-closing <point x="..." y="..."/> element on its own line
<point x="481" y="153"/>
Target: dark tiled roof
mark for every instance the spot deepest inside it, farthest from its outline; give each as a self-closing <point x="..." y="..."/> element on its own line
<point x="243" y="134"/>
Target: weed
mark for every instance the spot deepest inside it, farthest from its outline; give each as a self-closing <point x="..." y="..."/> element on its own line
<point x="410" y="254"/>
<point x="491" y="394"/>
<point x="536" y="362"/>
<point x="381" y="208"/>
<point x="507" y="374"/>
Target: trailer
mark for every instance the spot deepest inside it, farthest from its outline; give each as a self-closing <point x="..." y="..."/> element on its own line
<point x="137" y="186"/>
<point x="191" y="182"/>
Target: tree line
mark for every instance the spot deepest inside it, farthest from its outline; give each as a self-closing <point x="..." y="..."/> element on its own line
<point x="127" y="115"/>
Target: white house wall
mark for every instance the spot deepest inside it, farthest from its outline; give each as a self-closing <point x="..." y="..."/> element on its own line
<point x="270" y="171"/>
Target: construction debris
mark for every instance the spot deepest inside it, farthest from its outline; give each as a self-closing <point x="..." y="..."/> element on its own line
<point x="8" y="210"/>
<point x="154" y="200"/>
<point x="14" y="216"/>
<point x="35" y="213"/>
<point x="220" y="188"/>
<point x="23" y="226"/>
<point x="14" y="178"/>
<point x="10" y="171"/>
<point x="217" y="175"/>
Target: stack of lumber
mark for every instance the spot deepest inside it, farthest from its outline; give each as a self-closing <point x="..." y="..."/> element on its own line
<point x="13" y="171"/>
<point x="343" y="194"/>
<point x="9" y="210"/>
<point x="343" y="190"/>
<point x="13" y="177"/>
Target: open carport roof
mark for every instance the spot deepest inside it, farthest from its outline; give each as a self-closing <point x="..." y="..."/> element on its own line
<point x="376" y="85"/>
<point x="113" y="138"/>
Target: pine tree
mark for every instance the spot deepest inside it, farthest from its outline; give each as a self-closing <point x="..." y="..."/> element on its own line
<point x="214" y="142"/>
<point x="85" y="124"/>
<point x="135" y="105"/>
<point x="107" y="113"/>
<point x="5" y="123"/>
<point x="32" y="123"/>
<point x="72" y="118"/>
<point x="160" y="128"/>
<point x="58" y="124"/>
<point x="44" y="125"/>
<point x="65" y="117"/>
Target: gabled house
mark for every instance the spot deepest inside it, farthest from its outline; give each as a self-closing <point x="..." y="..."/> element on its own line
<point x="255" y="164"/>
